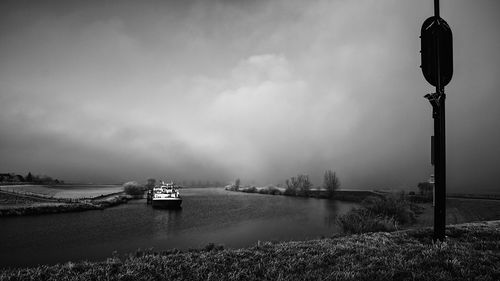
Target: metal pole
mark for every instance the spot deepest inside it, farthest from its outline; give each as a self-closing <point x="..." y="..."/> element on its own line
<point x="436" y="8"/>
<point x="440" y="169"/>
<point x="440" y="148"/>
<point x="440" y="210"/>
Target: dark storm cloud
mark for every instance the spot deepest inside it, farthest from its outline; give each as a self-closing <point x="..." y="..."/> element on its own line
<point x="113" y="90"/>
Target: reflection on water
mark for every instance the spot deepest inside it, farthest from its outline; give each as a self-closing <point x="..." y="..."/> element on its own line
<point x="166" y="222"/>
<point x="209" y="215"/>
<point x="331" y="213"/>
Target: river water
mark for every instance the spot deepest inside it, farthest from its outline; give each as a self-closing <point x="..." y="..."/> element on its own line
<point x="208" y="215"/>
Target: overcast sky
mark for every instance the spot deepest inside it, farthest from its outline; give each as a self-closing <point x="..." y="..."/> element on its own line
<point x="109" y="91"/>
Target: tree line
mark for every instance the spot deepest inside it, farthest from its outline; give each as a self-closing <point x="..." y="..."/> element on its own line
<point x="301" y="185"/>
<point x="28" y="178"/>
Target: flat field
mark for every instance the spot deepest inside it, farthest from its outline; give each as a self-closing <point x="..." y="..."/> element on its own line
<point x="64" y="191"/>
<point x="460" y="210"/>
<point x="85" y="191"/>
<point x="9" y="200"/>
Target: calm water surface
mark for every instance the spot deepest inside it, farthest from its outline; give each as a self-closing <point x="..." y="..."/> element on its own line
<point x="209" y="215"/>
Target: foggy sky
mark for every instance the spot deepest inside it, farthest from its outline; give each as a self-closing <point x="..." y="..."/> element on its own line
<point x="109" y="91"/>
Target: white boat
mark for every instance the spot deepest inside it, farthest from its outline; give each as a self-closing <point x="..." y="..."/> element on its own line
<point x="166" y="195"/>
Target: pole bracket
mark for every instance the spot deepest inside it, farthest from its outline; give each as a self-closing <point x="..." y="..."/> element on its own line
<point x="436" y="99"/>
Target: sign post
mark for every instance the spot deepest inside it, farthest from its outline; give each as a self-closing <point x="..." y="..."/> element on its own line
<point x="437" y="67"/>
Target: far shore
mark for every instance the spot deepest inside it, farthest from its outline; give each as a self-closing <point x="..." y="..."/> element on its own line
<point x="350" y="195"/>
<point x="19" y="200"/>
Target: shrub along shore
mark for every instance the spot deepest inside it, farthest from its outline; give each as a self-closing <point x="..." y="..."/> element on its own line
<point x="471" y="252"/>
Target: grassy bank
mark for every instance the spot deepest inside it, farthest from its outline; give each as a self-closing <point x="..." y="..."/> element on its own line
<point x="20" y="204"/>
<point x="39" y="209"/>
<point x="471" y="252"/>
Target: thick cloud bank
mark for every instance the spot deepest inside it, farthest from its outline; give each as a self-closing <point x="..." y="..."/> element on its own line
<point x="261" y="90"/>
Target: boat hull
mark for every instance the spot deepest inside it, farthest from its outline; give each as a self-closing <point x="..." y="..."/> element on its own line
<point x="170" y="203"/>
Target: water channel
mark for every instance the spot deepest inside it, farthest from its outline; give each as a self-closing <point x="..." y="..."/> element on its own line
<point x="208" y="215"/>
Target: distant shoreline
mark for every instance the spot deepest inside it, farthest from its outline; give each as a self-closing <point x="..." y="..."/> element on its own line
<point x="349" y="195"/>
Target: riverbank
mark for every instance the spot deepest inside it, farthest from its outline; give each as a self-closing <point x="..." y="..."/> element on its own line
<point x="471" y="251"/>
<point x="38" y="200"/>
<point x="350" y="195"/>
<point x="53" y="207"/>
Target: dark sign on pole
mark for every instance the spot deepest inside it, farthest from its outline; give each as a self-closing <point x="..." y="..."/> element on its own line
<point x="436" y="37"/>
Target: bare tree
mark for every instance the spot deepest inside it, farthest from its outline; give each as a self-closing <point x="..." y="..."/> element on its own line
<point x="331" y="182"/>
<point x="298" y="186"/>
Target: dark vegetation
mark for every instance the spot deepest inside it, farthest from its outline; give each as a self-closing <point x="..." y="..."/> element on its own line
<point x="133" y="188"/>
<point x="471" y="252"/>
<point x="379" y="214"/>
<point x="12" y="178"/>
